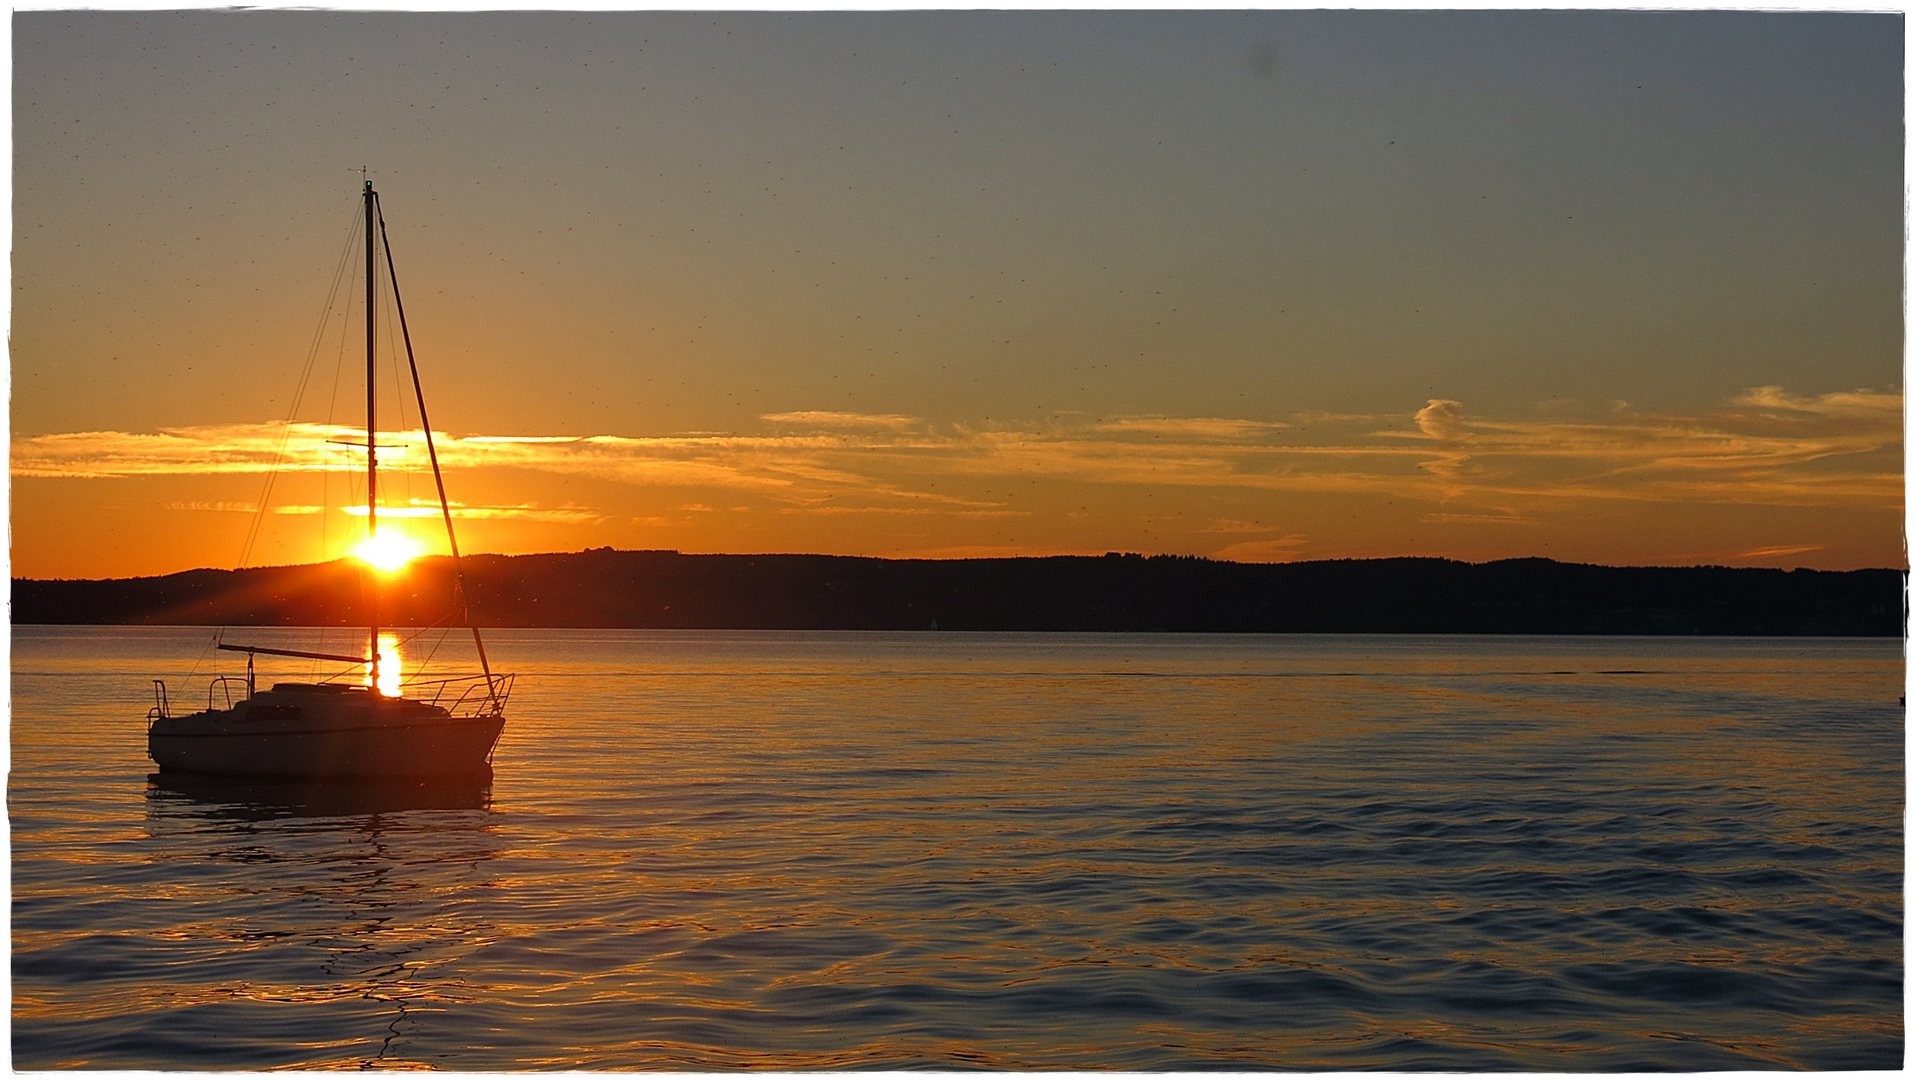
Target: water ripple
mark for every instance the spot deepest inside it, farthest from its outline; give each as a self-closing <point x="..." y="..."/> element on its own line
<point x="715" y="851"/>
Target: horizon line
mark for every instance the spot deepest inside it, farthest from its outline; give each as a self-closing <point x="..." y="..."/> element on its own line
<point x="1159" y="556"/>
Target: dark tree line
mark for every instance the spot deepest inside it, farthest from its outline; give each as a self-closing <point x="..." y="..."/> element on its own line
<point x="663" y="589"/>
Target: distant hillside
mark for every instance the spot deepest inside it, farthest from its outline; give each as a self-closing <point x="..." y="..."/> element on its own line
<point x="663" y="589"/>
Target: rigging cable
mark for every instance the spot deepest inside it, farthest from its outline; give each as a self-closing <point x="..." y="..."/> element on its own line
<point x="299" y="393"/>
<point x="458" y="574"/>
<point x="292" y="413"/>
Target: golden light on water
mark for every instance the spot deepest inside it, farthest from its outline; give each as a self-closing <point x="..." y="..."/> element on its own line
<point x="387" y="551"/>
<point x="389" y="667"/>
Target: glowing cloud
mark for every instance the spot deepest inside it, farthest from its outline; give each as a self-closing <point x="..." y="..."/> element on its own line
<point x="828" y="419"/>
<point x="1764" y="447"/>
<point x="1442" y="419"/>
<point x="1207" y="428"/>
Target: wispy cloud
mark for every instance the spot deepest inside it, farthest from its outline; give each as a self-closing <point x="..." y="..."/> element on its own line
<point x="1282" y="549"/>
<point x="833" y="420"/>
<point x="229" y="448"/>
<point x="1776" y="552"/>
<point x="1764" y="446"/>
<point x="1442" y="420"/>
<point x="1206" y="428"/>
<point x="557" y="515"/>
<point x="1227" y="525"/>
<point x="565" y="515"/>
<point x="1506" y="517"/>
<point x="940" y="510"/>
<point x="200" y="505"/>
<point x="1867" y="405"/>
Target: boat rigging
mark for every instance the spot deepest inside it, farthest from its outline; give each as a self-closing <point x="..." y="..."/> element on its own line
<point x="334" y="728"/>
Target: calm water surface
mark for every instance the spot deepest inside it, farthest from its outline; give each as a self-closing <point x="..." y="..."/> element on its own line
<point x="797" y="850"/>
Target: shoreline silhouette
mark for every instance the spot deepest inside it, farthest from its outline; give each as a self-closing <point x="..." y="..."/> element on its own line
<point x="1114" y="592"/>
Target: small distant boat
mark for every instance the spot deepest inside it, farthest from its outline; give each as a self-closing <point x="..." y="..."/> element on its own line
<point x="356" y="724"/>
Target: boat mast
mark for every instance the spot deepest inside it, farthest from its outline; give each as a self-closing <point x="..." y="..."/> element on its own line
<point x="372" y="449"/>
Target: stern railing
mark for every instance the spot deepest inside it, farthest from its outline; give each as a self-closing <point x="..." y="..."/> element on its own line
<point x="473" y="695"/>
<point x="161" y="709"/>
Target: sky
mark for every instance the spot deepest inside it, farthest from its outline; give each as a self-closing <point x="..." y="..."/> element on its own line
<point x="1600" y="286"/>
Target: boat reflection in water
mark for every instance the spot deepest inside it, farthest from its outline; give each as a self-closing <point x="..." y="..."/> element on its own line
<point x="359" y="900"/>
<point x="256" y="799"/>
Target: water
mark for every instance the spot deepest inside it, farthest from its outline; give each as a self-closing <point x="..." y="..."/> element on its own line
<point x="799" y="850"/>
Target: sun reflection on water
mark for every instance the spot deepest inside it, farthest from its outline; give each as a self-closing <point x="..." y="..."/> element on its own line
<point x="389" y="667"/>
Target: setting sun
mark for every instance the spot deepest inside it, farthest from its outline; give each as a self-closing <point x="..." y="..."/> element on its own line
<point x="387" y="551"/>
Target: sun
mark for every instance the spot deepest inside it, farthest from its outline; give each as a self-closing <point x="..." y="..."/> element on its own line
<point x="387" y="551"/>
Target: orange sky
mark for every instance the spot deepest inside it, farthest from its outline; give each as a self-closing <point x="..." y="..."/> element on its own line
<point x="1263" y="286"/>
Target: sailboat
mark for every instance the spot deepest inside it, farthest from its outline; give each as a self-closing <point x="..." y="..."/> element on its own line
<point x="363" y="722"/>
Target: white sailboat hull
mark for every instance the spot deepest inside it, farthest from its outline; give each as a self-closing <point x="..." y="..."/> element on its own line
<point x="284" y="733"/>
